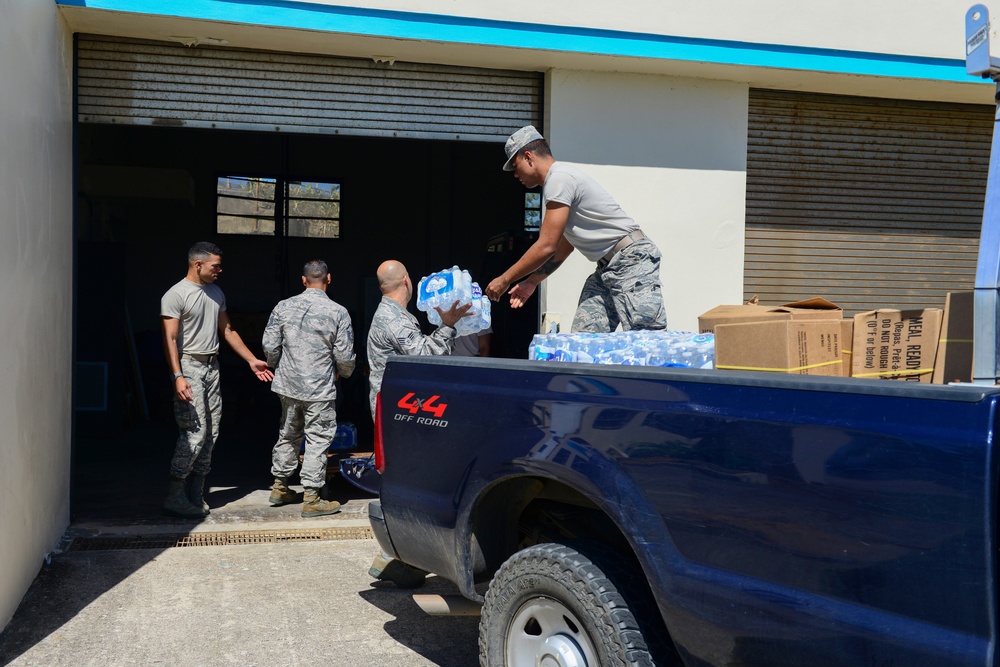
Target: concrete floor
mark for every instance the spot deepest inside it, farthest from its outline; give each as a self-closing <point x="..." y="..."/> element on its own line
<point x="113" y="595"/>
<point x="266" y="604"/>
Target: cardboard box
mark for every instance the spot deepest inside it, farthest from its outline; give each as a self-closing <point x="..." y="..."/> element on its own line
<point x="953" y="362"/>
<point x="893" y="344"/>
<point x="805" y="347"/>
<point x="811" y="309"/>
<point x="846" y="345"/>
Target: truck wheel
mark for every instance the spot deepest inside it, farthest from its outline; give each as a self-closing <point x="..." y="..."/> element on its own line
<point x="551" y="605"/>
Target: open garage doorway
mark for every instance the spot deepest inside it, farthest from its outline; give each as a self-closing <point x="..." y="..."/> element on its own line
<point x="145" y="194"/>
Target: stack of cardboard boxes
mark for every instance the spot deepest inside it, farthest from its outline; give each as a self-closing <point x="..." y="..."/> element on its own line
<point x="813" y="337"/>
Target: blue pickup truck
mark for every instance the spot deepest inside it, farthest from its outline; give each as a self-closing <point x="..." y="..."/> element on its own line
<point x="637" y="516"/>
<point x="623" y="515"/>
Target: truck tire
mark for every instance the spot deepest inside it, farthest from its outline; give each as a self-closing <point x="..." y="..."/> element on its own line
<point x="552" y="605"/>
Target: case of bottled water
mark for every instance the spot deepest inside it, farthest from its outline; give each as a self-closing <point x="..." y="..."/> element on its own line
<point x="443" y="288"/>
<point x="628" y="348"/>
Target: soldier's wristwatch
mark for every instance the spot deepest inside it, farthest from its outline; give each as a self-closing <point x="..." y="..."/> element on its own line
<point x="178" y="375"/>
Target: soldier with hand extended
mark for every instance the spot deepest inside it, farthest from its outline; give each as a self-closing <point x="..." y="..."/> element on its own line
<point x="309" y="342"/>
<point x="581" y="215"/>
<point x="192" y="315"/>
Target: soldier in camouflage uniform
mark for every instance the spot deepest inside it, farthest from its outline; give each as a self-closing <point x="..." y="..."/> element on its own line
<point x="309" y="342"/>
<point x="193" y="314"/>
<point x="580" y="214"/>
<point x="395" y="330"/>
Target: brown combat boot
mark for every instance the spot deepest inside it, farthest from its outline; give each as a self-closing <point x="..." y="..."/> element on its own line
<point x="177" y="502"/>
<point x="281" y="494"/>
<point x="313" y="505"/>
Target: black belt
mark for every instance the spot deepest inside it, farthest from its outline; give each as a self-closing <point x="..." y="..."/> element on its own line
<point x="623" y="242"/>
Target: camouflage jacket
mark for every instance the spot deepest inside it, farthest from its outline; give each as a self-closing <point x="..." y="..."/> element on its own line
<point x="308" y="339"/>
<point x="395" y="330"/>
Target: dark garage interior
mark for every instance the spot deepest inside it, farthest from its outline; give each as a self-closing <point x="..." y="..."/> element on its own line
<point x="145" y="194"/>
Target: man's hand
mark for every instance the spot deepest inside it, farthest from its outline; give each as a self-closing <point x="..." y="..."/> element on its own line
<point x="496" y="288"/>
<point x="451" y="316"/>
<point x="521" y="292"/>
<point x="182" y="389"/>
<point x="260" y="369"/>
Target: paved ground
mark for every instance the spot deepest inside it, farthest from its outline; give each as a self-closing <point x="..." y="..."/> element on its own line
<point x="287" y="603"/>
<point x="118" y="592"/>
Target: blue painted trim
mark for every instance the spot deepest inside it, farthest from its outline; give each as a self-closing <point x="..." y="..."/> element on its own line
<point x="479" y="32"/>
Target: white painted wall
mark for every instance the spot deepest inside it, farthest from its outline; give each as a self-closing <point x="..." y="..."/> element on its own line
<point x="673" y="153"/>
<point x="35" y="289"/>
<point x="934" y="28"/>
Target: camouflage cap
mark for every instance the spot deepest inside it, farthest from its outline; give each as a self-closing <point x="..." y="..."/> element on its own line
<point x="517" y="141"/>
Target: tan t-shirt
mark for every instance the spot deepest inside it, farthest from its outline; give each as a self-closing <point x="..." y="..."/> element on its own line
<point x="596" y="221"/>
<point x="197" y="307"/>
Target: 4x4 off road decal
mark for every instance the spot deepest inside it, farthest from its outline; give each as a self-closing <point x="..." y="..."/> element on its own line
<point x="414" y="406"/>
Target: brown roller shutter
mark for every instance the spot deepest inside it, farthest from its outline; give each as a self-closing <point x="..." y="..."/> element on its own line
<point x="867" y="202"/>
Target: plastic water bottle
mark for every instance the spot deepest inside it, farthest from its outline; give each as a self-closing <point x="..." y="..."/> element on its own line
<point x="431" y="292"/>
<point x="466" y="286"/>
<point x="444" y="288"/>
<point x="570" y="346"/>
<point x="485" y="319"/>
<point x="433" y="288"/>
<point x="533" y="348"/>
<point x="541" y="348"/>
<point x="704" y="350"/>
<point x="463" y="286"/>
<point x="471" y="323"/>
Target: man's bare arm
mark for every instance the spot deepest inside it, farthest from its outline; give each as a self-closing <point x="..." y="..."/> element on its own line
<point x="258" y="366"/>
<point x="171" y="329"/>
<point x="564" y="250"/>
<point x="549" y="243"/>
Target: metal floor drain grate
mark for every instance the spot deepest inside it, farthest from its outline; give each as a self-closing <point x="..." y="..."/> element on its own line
<point x="117" y="543"/>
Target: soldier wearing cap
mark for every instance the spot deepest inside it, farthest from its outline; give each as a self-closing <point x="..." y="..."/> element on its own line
<point x="580" y="214"/>
<point x="309" y="342"/>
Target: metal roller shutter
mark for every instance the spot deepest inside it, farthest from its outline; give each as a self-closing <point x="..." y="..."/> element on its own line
<point x="867" y="202"/>
<point x="154" y="83"/>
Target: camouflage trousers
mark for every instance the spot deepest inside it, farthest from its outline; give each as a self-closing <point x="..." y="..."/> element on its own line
<point x="624" y="291"/>
<point x="198" y="419"/>
<point x="317" y="421"/>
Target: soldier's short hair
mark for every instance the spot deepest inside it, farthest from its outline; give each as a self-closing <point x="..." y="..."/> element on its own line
<point x="203" y="250"/>
<point x="539" y="147"/>
<point x="315" y="269"/>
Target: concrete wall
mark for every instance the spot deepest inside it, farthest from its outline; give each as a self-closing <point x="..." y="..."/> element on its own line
<point x="35" y="289"/>
<point x="673" y="153"/>
<point x="932" y="28"/>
